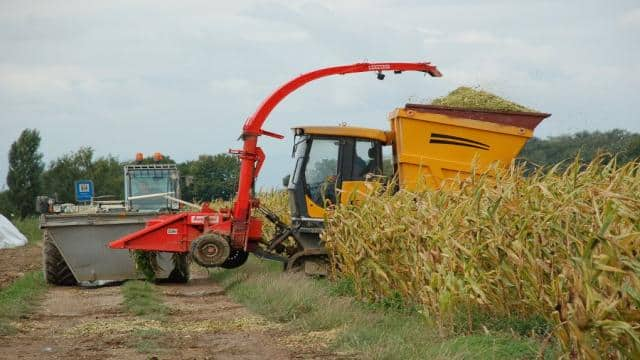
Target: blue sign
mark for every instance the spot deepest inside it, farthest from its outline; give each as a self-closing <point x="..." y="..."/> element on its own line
<point x="84" y="190"/>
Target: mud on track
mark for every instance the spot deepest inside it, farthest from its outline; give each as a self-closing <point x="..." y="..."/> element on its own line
<point x="203" y="323"/>
<point x="16" y="262"/>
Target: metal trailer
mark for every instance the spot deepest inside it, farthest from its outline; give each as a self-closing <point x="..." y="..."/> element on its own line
<point x="76" y="248"/>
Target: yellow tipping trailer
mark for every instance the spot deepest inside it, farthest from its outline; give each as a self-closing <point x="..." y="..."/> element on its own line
<point x="434" y="143"/>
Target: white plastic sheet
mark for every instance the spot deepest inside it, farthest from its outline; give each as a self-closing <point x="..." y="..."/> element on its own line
<point x="10" y="236"/>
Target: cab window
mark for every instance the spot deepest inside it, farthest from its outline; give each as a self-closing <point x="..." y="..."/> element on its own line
<point x="365" y="159"/>
<point x="321" y="171"/>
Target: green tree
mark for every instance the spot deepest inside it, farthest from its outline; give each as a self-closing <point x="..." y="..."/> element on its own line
<point x="25" y="170"/>
<point x="6" y="206"/>
<point x="64" y="171"/>
<point x="210" y="177"/>
<point x="624" y="144"/>
<point x="107" y="176"/>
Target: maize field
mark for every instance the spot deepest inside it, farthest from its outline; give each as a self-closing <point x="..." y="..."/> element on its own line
<point x="561" y="243"/>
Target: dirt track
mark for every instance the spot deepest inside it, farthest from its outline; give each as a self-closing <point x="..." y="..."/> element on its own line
<point x="81" y="323"/>
<point x="91" y="324"/>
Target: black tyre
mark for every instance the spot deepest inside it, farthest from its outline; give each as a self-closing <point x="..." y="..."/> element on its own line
<point x="210" y="250"/>
<point x="56" y="270"/>
<point x="236" y="259"/>
<point x="180" y="273"/>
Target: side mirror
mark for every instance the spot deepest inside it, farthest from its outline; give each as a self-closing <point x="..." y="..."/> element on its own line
<point x="285" y="181"/>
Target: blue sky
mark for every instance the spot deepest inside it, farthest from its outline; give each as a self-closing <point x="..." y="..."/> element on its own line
<point x="181" y="77"/>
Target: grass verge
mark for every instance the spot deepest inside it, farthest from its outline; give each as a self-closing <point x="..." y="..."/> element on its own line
<point x="147" y="341"/>
<point x="386" y="330"/>
<point x="30" y="227"/>
<point x="19" y="298"/>
<point x="142" y="298"/>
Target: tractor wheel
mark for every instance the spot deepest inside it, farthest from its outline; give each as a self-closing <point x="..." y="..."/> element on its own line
<point x="56" y="270"/>
<point x="312" y="265"/>
<point x="180" y="273"/>
<point x="210" y="250"/>
<point x="236" y="259"/>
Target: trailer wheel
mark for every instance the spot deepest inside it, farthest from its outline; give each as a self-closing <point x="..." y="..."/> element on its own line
<point x="236" y="259"/>
<point x="56" y="270"/>
<point x="180" y="273"/>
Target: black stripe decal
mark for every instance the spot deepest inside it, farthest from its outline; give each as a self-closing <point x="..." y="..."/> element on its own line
<point x="443" y="136"/>
<point x="448" y="142"/>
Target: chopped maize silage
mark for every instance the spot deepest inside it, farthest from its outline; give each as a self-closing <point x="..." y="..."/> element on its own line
<point x="563" y="245"/>
<point x="475" y="99"/>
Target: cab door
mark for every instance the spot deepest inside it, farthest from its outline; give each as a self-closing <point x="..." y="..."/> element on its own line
<point x="322" y="174"/>
<point x="362" y="159"/>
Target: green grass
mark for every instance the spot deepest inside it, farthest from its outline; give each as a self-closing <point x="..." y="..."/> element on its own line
<point x="147" y="341"/>
<point x="388" y="329"/>
<point x="30" y="227"/>
<point x="19" y="298"/>
<point x="142" y="298"/>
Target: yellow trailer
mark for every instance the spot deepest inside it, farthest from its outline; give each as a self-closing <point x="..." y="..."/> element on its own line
<point x="430" y="145"/>
<point x="434" y="143"/>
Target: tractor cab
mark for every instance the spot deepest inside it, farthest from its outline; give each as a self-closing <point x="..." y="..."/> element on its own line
<point x="148" y="187"/>
<point x="332" y="163"/>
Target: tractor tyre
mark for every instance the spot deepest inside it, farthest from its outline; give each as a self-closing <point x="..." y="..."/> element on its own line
<point x="236" y="259"/>
<point x="180" y="273"/>
<point x="56" y="270"/>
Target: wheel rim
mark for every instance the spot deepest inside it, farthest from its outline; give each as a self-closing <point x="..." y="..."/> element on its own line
<point x="211" y="251"/>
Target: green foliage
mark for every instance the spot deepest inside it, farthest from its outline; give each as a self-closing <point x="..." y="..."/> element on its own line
<point x="588" y="145"/>
<point x="560" y="244"/>
<point x="301" y="304"/>
<point x="142" y="298"/>
<point x="30" y="227"/>
<point x="146" y="263"/>
<point x="105" y="172"/>
<point x="476" y="99"/>
<point x="147" y="341"/>
<point x="150" y="160"/>
<point x="19" y="298"/>
<point x="6" y="205"/>
<point x="210" y="177"/>
<point x="476" y="319"/>
<point x="25" y="169"/>
<point x="108" y="177"/>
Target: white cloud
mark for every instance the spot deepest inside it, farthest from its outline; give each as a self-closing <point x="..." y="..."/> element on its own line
<point x="131" y="67"/>
<point x="631" y="18"/>
<point x="44" y="80"/>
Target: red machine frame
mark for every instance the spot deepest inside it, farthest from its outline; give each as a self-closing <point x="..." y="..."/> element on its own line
<point x="174" y="233"/>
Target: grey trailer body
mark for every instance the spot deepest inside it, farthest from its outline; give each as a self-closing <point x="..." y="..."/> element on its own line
<point x="82" y="240"/>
